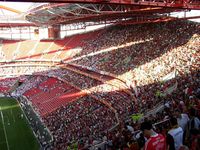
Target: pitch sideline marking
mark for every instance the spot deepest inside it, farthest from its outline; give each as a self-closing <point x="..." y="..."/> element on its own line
<point x="4" y="129"/>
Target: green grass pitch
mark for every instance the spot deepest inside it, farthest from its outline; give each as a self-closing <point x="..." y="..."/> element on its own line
<point x="15" y="132"/>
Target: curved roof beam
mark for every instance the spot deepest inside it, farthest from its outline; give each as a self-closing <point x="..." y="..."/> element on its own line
<point x="184" y="4"/>
<point x="10" y="9"/>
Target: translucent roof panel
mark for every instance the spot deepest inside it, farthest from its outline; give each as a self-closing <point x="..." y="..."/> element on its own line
<point x="14" y="11"/>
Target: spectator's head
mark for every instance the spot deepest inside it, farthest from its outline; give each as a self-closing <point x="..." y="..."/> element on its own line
<point x="177" y="113"/>
<point x="181" y="103"/>
<point x="127" y="123"/>
<point x="146" y="127"/>
<point x="192" y="112"/>
<point x="173" y="121"/>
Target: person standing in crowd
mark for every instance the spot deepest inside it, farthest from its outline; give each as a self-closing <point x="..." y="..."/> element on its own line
<point x="182" y="119"/>
<point x="194" y="122"/>
<point x="193" y="132"/>
<point x="174" y="136"/>
<point x="155" y="141"/>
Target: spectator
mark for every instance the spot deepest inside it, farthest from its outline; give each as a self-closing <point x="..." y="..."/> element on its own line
<point x="130" y="128"/>
<point x="155" y="141"/>
<point x="193" y="127"/>
<point x="174" y="136"/>
<point x="182" y="119"/>
<point x="194" y="122"/>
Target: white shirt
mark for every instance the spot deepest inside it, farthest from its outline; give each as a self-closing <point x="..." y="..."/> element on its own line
<point x="196" y="123"/>
<point x="130" y="129"/>
<point x="182" y="122"/>
<point x="177" y="135"/>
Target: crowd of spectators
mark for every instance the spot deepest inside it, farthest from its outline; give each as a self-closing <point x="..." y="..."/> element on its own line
<point x="145" y="48"/>
<point x="146" y="53"/>
<point x="148" y="59"/>
<point x="75" y="114"/>
<point x="118" y="99"/>
<point x="7" y="81"/>
<point x="82" y="119"/>
<point x="155" y="51"/>
<point x="6" y="84"/>
<point x="29" y="83"/>
<point x="162" y="62"/>
<point x="177" y="116"/>
<point x="83" y="82"/>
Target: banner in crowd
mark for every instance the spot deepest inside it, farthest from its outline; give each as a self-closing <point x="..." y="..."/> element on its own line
<point x="136" y="117"/>
<point x="170" y="89"/>
<point x="169" y="76"/>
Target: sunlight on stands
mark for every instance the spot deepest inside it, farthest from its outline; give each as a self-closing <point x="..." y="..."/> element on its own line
<point x="73" y="52"/>
<point x="73" y="95"/>
<point x="156" y="68"/>
<point x="103" y="88"/>
<point x="111" y="49"/>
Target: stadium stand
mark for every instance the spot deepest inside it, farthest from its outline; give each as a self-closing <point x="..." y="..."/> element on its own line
<point x="89" y="97"/>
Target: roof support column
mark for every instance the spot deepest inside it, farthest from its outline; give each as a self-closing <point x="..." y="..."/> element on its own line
<point x="54" y="32"/>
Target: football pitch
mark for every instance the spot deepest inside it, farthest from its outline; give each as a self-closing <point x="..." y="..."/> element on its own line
<point x="15" y="133"/>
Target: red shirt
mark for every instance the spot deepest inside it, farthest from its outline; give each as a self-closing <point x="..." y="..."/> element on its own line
<point x="156" y="142"/>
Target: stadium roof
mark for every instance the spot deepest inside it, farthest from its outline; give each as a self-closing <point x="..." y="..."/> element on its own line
<point x="13" y="13"/>
<point x="73" y="11"/>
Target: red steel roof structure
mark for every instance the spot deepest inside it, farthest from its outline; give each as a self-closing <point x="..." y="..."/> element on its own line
<point x="107" y="11"/>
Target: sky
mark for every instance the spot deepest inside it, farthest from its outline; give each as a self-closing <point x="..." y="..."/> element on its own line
<point x="189" y="14"/>
<point x="25" y="6"/>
